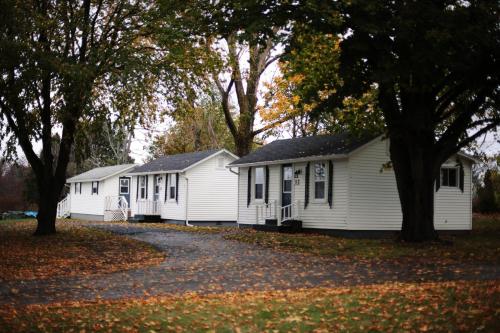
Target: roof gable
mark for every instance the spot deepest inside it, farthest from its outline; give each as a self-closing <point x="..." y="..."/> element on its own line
<point x="300" y="148"/>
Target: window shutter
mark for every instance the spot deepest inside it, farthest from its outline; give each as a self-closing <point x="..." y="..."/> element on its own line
<point x="147" y="180"/>
<point x="306" y="197"/>
<point x="166" y="186"/>
<point x="92" y="188"/>
<point x="249" y="187"/>
<point x="75" y="188"/>
<point x="137" y="192"/>
<point x="97" y="190"/>
<point x="462" y="176"/>
<point x="266" y="190"/>
<point x="80" y="188"/>
<point x="330" y="183"/>
<point x="177" y="187"/>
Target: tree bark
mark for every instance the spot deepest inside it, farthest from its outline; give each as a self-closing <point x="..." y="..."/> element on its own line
<point x="416" y="171"/>
<point x="47" y="209"/>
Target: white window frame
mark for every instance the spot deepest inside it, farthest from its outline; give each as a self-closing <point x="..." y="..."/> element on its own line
<point x="291" y="181"/>
<point x="158" y="180"/>
<point x="263" y="184"/>
<point x="457" y="176"/>
<point x="128" y="185"/>
<point x="96" y="188"/>
<point x="78" y="188"/>
<point x="142" y="186"/>
<point x="172" y="180"/>
<point x="324" y="181"/>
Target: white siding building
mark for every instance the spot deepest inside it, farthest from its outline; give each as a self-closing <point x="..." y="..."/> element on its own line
<point x="97" y="194"/>
<point x="191" y="188"/>
<point x="337" y="183"/>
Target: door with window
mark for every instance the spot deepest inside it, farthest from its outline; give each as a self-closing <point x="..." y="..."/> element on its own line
<point x="124" y="189"/>
<point x="158" y="186"/>
<point x="286" y="189"/>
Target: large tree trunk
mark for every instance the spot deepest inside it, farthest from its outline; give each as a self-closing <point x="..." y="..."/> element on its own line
<point x="243" y="145"/>
<point x="47" y="209"/>
<point x="415" y="170"/>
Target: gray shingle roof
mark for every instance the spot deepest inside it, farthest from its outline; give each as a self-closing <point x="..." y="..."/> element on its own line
<point x="100" y="173"/>
<point x="296" y="148"/>
<point x="174" y="162"/>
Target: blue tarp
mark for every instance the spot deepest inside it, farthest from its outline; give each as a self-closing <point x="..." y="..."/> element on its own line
<point x="30" y="213"/>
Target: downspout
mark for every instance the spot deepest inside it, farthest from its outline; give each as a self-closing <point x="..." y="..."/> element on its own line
<point x="187" y="201"/>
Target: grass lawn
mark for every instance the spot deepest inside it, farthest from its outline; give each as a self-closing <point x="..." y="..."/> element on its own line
<point x="72" y="251"/>
<point x="437" y="307"/>
<point x="481" y="244"/>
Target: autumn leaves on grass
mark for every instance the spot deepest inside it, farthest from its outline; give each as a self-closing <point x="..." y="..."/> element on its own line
<point x="395" y="307"/>
<point x="73" y="251"/>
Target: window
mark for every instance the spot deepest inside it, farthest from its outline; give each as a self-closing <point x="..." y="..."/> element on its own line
<point x="124" y="186"/>
<point x="259" y="183"/>
<point x="172" y="180"/>
<point x="78" y="188"/>
<point x="319" y="180"/>
<point x="449" y="177"/>
<point x="95" y="187"/>
<point x="142" y="187"/>
<point x="287" y="179"/>
<point x="158" y="181"/>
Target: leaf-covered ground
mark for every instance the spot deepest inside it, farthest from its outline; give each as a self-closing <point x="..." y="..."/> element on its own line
<point x="430" y="307"/>
<point x="482" y="244"/>
<point x="73" y="251"/>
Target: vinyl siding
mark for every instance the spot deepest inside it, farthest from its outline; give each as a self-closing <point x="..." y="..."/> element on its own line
<point x="213" y="191"/>
<point x="453" y="209"/>
<point x="92" y="204"/>
<point x="374" y="200"/>
<point x="174" y="209"/>
<point x="317" y="214"/>
<point x="248" y="215"/>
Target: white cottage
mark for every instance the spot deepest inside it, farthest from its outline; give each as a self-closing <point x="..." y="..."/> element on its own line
<point x="98" y="194"/>
<point x="191" y="188"/>
<point x="339" y="183"/>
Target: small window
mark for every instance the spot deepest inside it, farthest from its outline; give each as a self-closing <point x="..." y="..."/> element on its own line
<point x="287" y="179"/>
<point x="78" y="187"/>
<point x="95" y="187"/>
<point x="259" y="183"/>
<point x="142" y="187"/>
<point x="449" y="177"/>
<point x="319" y="180"/>
<point x="124" y="186"/>
<point x="172" y="180"/>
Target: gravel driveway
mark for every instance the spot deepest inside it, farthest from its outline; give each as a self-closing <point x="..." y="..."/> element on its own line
<point x="207" y="263"/>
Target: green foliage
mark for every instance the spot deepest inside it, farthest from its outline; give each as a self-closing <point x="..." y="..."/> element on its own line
<point x="196" y="127"/>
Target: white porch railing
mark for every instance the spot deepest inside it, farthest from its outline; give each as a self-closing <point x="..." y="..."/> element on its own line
<point x="63" y="208"/>
<point x="115" y="208"/>
<point x="266" y="211"/>
<point x="148" y="207"/>
<point x="270" y="211"/>
<point x="289" y="212"/>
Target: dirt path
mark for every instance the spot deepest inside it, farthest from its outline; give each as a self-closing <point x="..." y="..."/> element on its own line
<point x="207" y="263"/>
